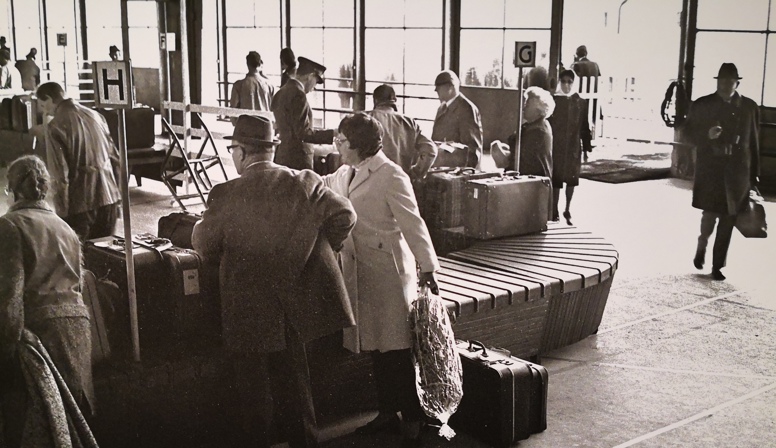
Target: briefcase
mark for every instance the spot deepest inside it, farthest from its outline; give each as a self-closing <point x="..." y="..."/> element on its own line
<point x="504" y="398"/>
<point x="178" y="227"/>
<point x="23" y="113"/>
<point x="444" y="193"/>
<point x="140" y="126"/>
<point x="506" y="206"/>
<point x="451" y="154"/>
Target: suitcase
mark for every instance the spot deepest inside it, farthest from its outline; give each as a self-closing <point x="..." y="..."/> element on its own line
<point x="504" y="398"/>
<point x="451" y="154"/>
<point x="100" y="341"/>
<point x="506" y="206"/>
<point x="6" y="122"/>
<point x="324" y="164"/>
<point x="23" y="113"/>
<point x="443" y="193"/>
<point x="140" y="126"/>
<point x="177" y="227"/>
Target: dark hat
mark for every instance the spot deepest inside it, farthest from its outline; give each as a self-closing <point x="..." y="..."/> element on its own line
<point x="447" y="77"/>
<point x="728" y="70"/>
<point x="581" y="51"/>
<point x="307" y="66"/>
<point x="113" y="48"/>
<point x="254" y="130"/>
<point x="254" y="58"/>
<point x="567" y="74"/>
<point x="384" y="94"/>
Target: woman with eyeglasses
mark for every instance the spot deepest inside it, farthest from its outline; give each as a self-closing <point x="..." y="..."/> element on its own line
<point x="379" y="264"/>
<point x="570" y="136"/>
<point x="40" y="277"/>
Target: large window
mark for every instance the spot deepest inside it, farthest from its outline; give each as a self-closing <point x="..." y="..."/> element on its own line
<point x="103" y="28"/>
<point x="323" y="31"/>
<point x="489" y="30"/>
<point x="404" y="41"/>
<point x="143" y="33"/>
<point x="728" y="32"/>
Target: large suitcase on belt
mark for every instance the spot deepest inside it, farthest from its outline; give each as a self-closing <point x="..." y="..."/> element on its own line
<point x="443" y="194"/>
<point x="506" y="206"/>
<point x="140" y="126"/>
<point x="177" y="227"/>
<point x="23" y="113"/>
<point x="504" y="398"/>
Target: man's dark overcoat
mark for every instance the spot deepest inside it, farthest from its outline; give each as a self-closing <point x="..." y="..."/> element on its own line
<point x="294" y="122"/>
<point x="570" y="132"/>
<point x="461" y="123"/>
<point x="722" y="182"/>
<point x="271" y="231"/>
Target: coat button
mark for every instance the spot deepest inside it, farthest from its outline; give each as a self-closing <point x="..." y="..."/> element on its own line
<point x="380" y="246"/>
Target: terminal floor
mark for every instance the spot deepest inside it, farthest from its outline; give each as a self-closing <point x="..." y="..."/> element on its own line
<point x="680" y="360"/>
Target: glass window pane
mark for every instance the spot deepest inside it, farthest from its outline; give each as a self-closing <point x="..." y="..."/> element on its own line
<point x="26" y="15"/>
<point x="100" y="40"/>
<point x="144" y="47"/>
<point x="384" y="62"/>
<point x="338" y="13"/>
<point x="528" y="14"/>
<point x="733" y="14"/>
<point x="142" y="14"/>
<point x="712" y="49"/>
<point x="308" y="43"/>
<point x="339" y="100"/>
<point x="384" y="13"/>
<point x="482" y="13"/>
<point x="103" y="13"/>
<point x="424" y="13"/>
<point x="481" y="54"/>
<point x="307" y="13"/>
<point x="542" y="39"/>
<point x="422" y="62"/>
<point x="337" y="53"/>
<point x="239" y="13"/>
<point x="421" y="91"/>
<point x="5" y="20"/>
<point x="267" y="13"/>
<point x="27" y="38"/>
<point x="421" y="108"/>
<point x="59" y="14"/>
<point x="769" y="97"/>
<point x="241" y="41"/>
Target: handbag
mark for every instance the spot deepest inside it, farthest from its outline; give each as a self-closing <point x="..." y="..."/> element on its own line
<point x="751" y="220"/>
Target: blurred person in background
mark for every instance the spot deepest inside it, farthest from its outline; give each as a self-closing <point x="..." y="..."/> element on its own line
<point x="570" y="136"/>
<point x="536" y="138"/>
<point x="83" y="162"/>
<point x="29" y="71"/>
<point x="403" y="142"/>
<point x="10" y="78"/>
<point x="114" y="53"/>
<point x="288" y="64"/>
<point x="253" y="92"/>
<point x="40" y="292"/>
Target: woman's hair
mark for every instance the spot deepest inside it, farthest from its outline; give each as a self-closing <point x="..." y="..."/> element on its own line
<point x="28" y="175"/>
<point x="567" y="74"/>
<point x="363" y="132"/>
<point x="546" y="102"/>
<point x="288" y="58"/>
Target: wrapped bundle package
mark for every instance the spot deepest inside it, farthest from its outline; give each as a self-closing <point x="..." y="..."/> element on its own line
<point x="437" y="364"/>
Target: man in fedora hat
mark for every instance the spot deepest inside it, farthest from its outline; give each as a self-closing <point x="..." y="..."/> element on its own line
<point x="253" y="92"/>
<point x="457" y="119"/>
<point x="403" y="141"/>
<point x="294" y="117"/>
<point x="272" y="234"/>
<point x="724" y="127"/>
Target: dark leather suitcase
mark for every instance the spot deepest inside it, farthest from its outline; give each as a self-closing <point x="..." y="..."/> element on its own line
<point x="504" y="398"/>
<point x="177" y="227"/>
<point x="23" y="113"/>
<point x="324" y="164"/>
<point x="140" y="126"/>
<point x="506" y="206"/>
<point x="443" y="194"/>
<point x="6" y="122"/>
<point x="451" y="154"/>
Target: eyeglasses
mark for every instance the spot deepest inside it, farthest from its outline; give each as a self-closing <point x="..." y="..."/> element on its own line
<point x="7" y="191"/>
<point x="231" y="148"/>
<point x="340" y="140"/>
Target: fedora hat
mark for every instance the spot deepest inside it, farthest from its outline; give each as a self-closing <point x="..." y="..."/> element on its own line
<point x="307" y="66"/>
<point x="728" y="70"/>
<point x="253" y="130"/>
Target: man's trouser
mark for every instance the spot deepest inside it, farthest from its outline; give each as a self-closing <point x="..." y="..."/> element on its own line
<point x="721" y="241"/>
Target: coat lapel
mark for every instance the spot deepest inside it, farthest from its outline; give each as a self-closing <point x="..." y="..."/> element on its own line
<point x="365" y="170"/>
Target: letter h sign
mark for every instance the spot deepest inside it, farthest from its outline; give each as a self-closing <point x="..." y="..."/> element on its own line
<point x="113" y="84"/>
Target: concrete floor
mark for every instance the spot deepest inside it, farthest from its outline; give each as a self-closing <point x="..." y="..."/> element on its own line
<point x="680" y="360"/>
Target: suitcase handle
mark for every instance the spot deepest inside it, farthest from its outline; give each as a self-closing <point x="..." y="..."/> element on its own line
<point x="478" y="344"/>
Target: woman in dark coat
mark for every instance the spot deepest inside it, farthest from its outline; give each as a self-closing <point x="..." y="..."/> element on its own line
<point x="536" y="146"/>
<point x="40" y="275"/>
<point x="569" y="127"/>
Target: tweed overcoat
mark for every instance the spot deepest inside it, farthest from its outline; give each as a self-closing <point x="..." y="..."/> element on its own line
<point x="722" y="182"/>
<point x="379" y="258"/>
<point x="403" y="142"/>
<point x="461" y="123"/>
<point x="294" y="123"/>
<point x="271" y="233"/>
<point x="40" y="290"/>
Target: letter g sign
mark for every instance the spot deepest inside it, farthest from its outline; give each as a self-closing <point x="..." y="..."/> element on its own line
<point x="525" y="54"/>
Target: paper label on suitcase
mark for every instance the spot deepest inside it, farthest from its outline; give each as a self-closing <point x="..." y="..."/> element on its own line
<point x="190" y="282"/>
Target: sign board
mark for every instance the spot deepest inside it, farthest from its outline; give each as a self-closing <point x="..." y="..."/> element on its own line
<point x="113" y="84"/>
<point x="525" y="54"/>
<point x="62" y="39"/>
<point x="167" y="41"/>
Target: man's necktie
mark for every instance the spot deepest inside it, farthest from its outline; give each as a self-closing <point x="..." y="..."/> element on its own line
<point x="442" y="109"/>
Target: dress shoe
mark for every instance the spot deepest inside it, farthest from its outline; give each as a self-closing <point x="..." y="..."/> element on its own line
<point x="383" y="422"/>
<point x="567" y="215"/>
<point x="699" y="260"/>
<point x="716" y="274"/>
